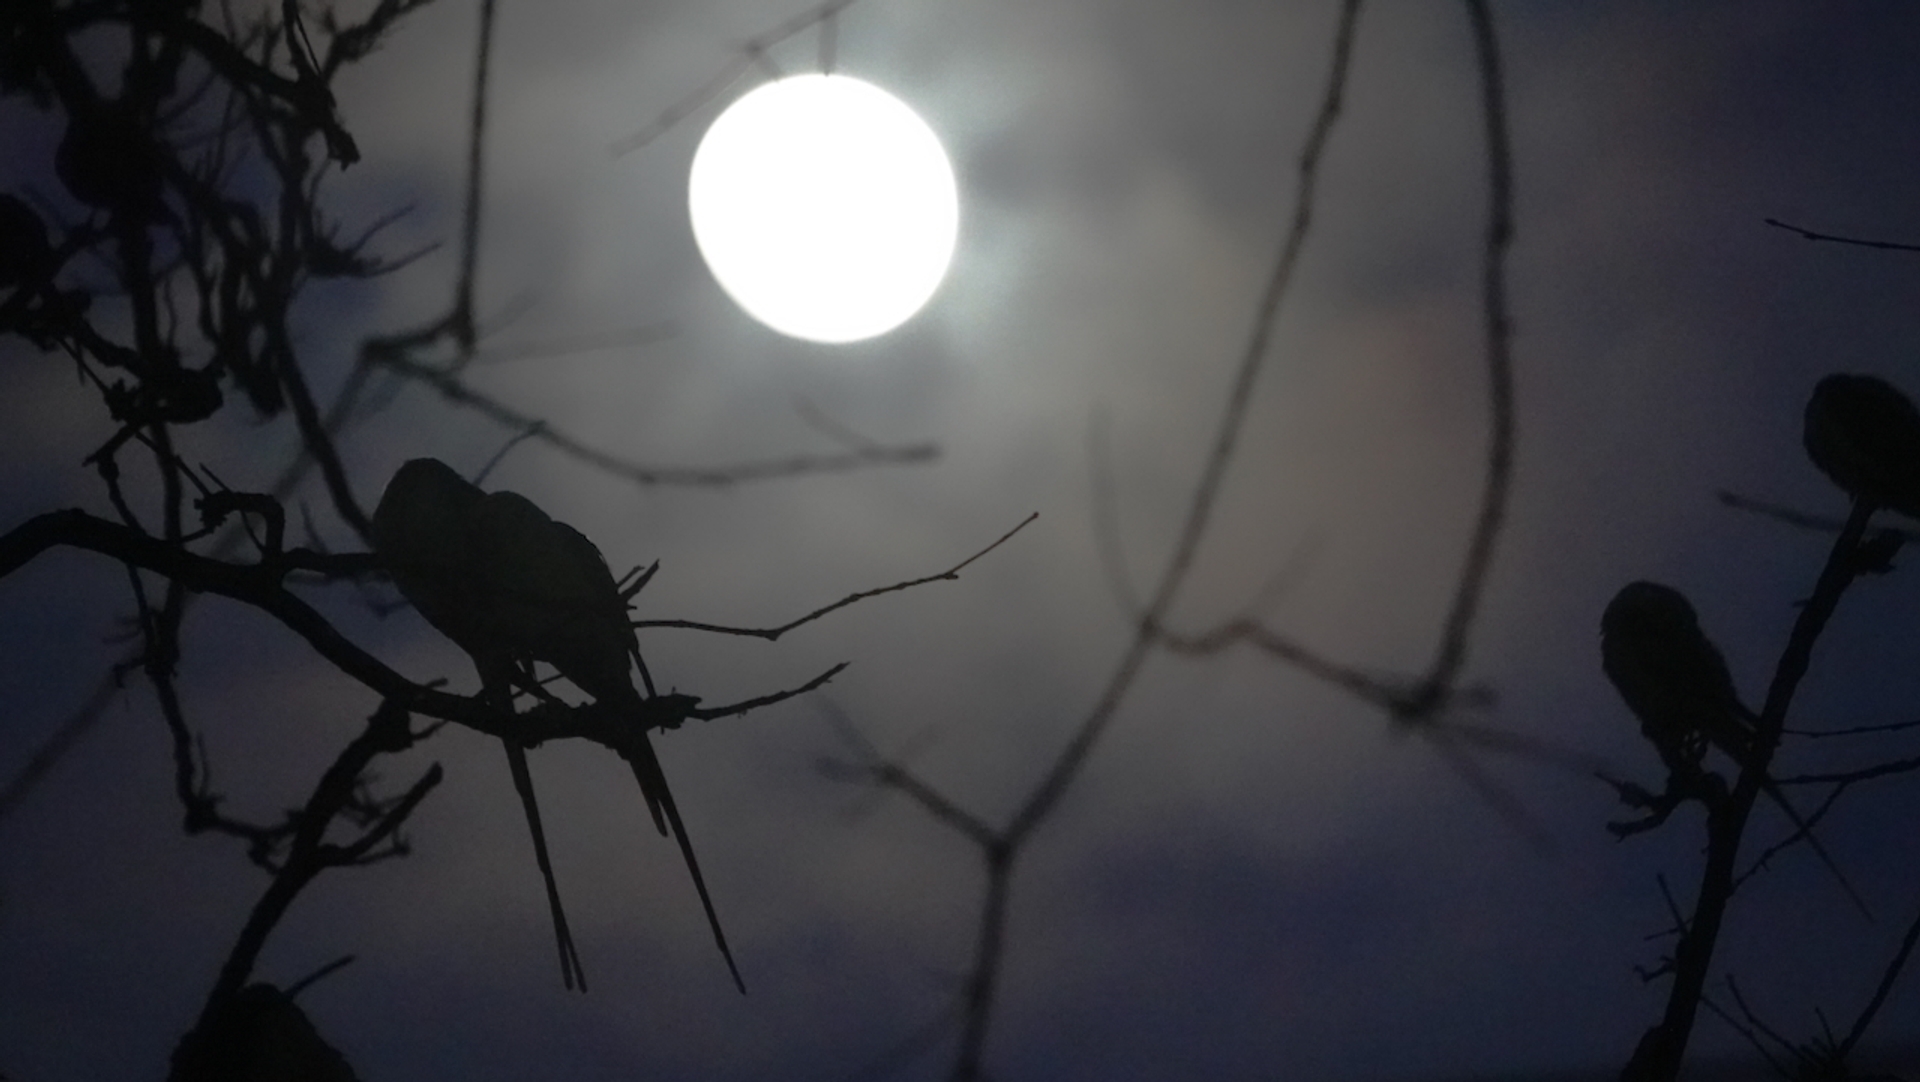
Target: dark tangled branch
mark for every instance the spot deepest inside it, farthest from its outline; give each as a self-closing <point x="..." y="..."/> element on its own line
<point x="337" y="794"/>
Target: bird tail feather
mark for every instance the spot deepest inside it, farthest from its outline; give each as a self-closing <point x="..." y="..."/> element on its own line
<point x="570" y="968"/>
<point x="653" y="783"/>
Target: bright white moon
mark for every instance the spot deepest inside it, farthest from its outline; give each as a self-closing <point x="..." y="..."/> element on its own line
<point x="825" y="207"/>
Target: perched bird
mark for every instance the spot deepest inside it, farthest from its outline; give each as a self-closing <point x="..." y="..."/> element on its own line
<point x="261" y="1036"/>
<point x="423" y="530"/>
<point x="1671" y="676"/>
<point x="1676" y="682"/>
<point x="1864" y="434"/>
<point x="554" y="599"/>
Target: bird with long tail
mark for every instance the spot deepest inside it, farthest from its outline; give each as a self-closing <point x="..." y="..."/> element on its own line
<point x="553" y="599"/>
<point x="424" y="532"/>
<point x="540" y="591"/>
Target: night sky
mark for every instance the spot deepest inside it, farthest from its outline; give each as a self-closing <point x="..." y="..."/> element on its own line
<point x="1255" y="876"/>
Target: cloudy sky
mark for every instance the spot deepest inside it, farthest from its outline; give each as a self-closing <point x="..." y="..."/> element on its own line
<point x="1254" y="877"/>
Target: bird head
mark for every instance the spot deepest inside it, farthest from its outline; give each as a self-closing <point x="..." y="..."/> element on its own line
<point x="1644" y="607"/>
<point x="1864" y="434"/>
<point x="426" y="510"/>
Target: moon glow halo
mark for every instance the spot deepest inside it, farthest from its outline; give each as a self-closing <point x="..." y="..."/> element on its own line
<point x="824" y="207"/>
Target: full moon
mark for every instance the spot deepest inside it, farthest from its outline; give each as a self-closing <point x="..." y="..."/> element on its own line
<point x="825" y="207"/>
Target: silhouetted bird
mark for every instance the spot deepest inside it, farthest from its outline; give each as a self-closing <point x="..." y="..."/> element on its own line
<point x="423" y="530"/>
<point x="261" y="1036"/>
<point x="1671" y="676"/>
<point x="555" y="600"/>
<point x="1676" y="682"/>
<point x="511" y="586"/>
<point x="1864" y="434"/>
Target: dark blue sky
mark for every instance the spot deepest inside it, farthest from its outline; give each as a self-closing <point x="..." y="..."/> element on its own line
<point x="1254" y="878"/>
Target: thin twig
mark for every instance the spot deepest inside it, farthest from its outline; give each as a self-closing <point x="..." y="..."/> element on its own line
<point x="1226" y="435"/>
<point x="1000" y="851"/>
<point x="736" y="709"/>
<point x="575" y="345"/>
<point x="1857" y="242"/>
<point x="451" y="388"/>
<point x="463" y="290"/>
<point x="1498" y="328"/>
<point x="1881" y="991"/>
<point x="1847" y="777"/>
<point x="1825" y="524"/>
<point x="752" y="52"/>
<point x="951" y="574"/>
<point x="1856" y="730"/>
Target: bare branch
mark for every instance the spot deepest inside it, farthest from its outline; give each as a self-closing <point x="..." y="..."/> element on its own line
<point x="1854" y="730"/>
<point x="452" y="389"/>
<point x="753" y="51"/>
<point x="55" y="747"/>
<point x="1858" y="242"/>
<point x="1881" y="991"/>
<point x="387" y="731"/>
<point x="576" y="344"/>
<point x="1826" y="524"/>
<point x="1226" y="435"/>
<point x="735" y="709"/>
<point x="952" y="574"/>
<point x="1498" y="329"/>
<point x="1848" y="777"/>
